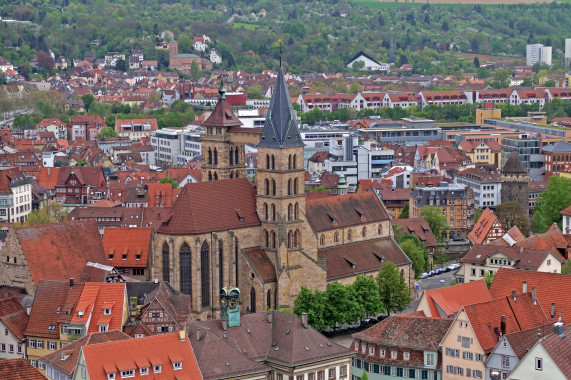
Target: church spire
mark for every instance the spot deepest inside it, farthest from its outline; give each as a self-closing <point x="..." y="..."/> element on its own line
<point x="280" y="128"/>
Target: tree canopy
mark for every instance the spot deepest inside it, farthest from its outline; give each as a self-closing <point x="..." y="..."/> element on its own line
<point x="436" y="221"/>
<point x="512" y="213"/>
<point x="393" y="288"/>
<point x="550" y="203"/>
<point x="170" y="180"/>
<point x="107" y="132"/>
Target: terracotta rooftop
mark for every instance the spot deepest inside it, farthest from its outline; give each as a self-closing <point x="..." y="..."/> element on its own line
<point x="60" y="251"/>
<point x="551" y="288"/>
<point x="344" y="211"/>
<point x="94" y="299"/>
<point x="206" y="207"/>
<point x="14" y="316"/>
<point x="483" y="226"/>
<point x="148" y="352"/>
<point x="65" y="359"/>
<point x="127" y="246"/>
<point x="222" y="114"/>
<point x="449" y="300"/>
<point x="522" y="341"/>
<point x="559" y="348"/>
<point x="407" y="331"/>
<point x="176" y="304"/>
<point x="524" y="258"/>
<point x="362" y="257"/>
<point x="19" y="369"/>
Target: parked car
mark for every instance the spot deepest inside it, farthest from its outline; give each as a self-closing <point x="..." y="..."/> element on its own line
<point x="437" y="271"/>
<point x="424" y="275"/>
<point x="431" y="273"/>
<point x="454" y="266"/>
<point x="446" y="269"/>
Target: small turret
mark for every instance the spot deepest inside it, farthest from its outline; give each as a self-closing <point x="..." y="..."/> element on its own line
<point x="230" y="306"/>
<point x="342" y="186"/>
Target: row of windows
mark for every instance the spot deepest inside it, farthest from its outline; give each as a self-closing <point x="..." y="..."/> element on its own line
<point x="291" y="162"/>
<point x="320" y="375"/>
<point x="411" y="373"/>
<point x="39" y="343"/>
<point x="430" y="358"/>
<point x="477" y="374"/>
<point x="10" y="348"/>
<point x="349" y="235"/>
<point x="455" y="353"/>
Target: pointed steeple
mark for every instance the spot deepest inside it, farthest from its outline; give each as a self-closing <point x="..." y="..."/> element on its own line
<point x="280" y="129"/>
<point x="392" y="51"/>
<point x="222" y="114"/>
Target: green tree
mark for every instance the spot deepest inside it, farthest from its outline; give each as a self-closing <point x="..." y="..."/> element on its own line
<point x="416" y="252"/>
<point x="312" y="303"/>
<point x="404" y="212"/>
<point x="254" y="93"/>
<point x="489" y="278"/>
<point x="566" y="268"/>
<point x="51" y="212"/>
<point x="477" y="215"/>
<point x="2" y="78"/>
<point x="551" y="202"/>
<point x="194" y="71"/>
<point x="366" y="291"/>
<point x="340" y="305"/>
<point x="364" y="376"/>
<point x="476" y="62"/>
<point x="436" y="221"/>
<point x="512" y="213"/>
<point x="107" y="132"/>
<point x="121" y="65"/>
<point x="169" y="180"/>
<point x="355" y="88"/>
<point x="483" y="73"/>
<point x="359" y="65"/>
<point x="87" y="99"/>
<point x="393" y="288"/>
<point x="501" y="79"/>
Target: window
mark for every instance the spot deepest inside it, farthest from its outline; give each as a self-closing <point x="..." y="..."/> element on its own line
<point x="505" y="361"/>
<point x="128" y="373"/>
<point x="479" y="357"/>
<point x="40" y="344"/>
<point x="539" y="364"/>
<point x="19" y="348"/>
<point x="465" y="342"/>
<point x="32" y="343"/>
<point x="157" y="368"/>
<point x="5" y="331"/>
<point x="382" y="353"/>
<point x="3" y="347"/>
<point x="371" y="350"/>
<point x="310" y="376"/>
<point x="144" y="371"/>
<point x="177" y="365"/>
<point x="205" y="274"/>
<point x="185" y="269"/>
<point x="111" y="376"/>
<point x="332" y="373"/>
<point x="393" y="354"/>
<point x="166" y="262"/>
<point x="467" y="355"/>
<point x="106" y="311"/>
<point x="429" y="360"/>
<point x="342" y="371"/>
<point x="300" y="377"/>
<point x="103" y="328"/>
<point x="52" y="345"/>
<point x="477" y="374"/>
<point x="320" y="375"/>
<point x="406" y="355"/>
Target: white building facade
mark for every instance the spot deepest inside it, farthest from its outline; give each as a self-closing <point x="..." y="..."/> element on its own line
<point x="538" y="53"/>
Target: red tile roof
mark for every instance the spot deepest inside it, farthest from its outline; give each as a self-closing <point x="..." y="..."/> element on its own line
<point x="160" y="195"/>
<point x="60" y="251"/>
<point x="259" y="260"/>
<point x="483" y="226"/>
<point x="524" y="258"/>
<point x="65" y="359"/>
<point x="450" y="300"/>
<point x="363" y="257"/>
<point x="19" y="369"/>
<point x="344" y="211"/>
<point x="520" y="314"/>
<point x="559" y="348"/>
<point x="163" y="350"/>
<point x="127" y="247"/>
<point x="550" y="288"/>
<point x="14" y="316"/>
<point x="96" y="297"/>
<point x="206" y="206"/>
<point x="222" y="116"/>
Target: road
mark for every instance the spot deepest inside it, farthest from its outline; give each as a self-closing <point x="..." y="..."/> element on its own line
<point x="433" y="282"/>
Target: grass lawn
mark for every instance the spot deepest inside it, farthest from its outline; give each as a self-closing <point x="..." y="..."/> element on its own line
<point x="239" y="25"/>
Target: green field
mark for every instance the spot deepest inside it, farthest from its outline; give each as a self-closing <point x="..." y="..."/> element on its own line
<point x="239" y="25"/>
<point x="378" y="5"/>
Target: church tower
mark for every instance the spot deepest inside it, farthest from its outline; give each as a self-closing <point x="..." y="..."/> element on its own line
<point x="515" y="181"/>
<point x="280" y="189"/>
<point x="222" y="158"/>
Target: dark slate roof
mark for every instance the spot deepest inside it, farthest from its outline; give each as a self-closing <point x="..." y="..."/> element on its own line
<point x="140" y="290"/>
<point x="271" y="336"/>
<point x="222" y="115"/>
<point x="362" y="53"/>
<point x="418" y="227"/>
<point x="522" y="341"/>
<point x="280" y="129"/>
<point x="558" y="147"/>
<point x="425" y="194"/>
<point x="514" y="165"/>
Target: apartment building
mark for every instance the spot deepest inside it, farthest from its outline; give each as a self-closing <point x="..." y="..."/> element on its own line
<point x="486" y="186"/>
<point x="456" y="202"/>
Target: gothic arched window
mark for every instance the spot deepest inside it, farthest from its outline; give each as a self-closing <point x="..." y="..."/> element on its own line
<point x="205" y="274"/>
<point x="253" y="300"/>
<point x="220" y="264"/>
<point x="185" y="269"/>
<point x="166" y="263"/>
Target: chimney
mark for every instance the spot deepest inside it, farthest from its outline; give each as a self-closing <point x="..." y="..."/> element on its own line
<point x="503" y="325"/>
<point x="538" y="333"/>
<point x="198" y="334"/>
<point x="71" y="283"/>
<point x="224" y="324"/>
<point x="304" y="320"/>
<point x="524" y="287"/>
<point x="520" y="250"/>
<point x="270" y="317"/>
<point x="558" y="328"/>
<point x="552" y="309"/>
<point x="513" y="295"/>
<point x="534" y="295"/>
<point x="182" y="335"/>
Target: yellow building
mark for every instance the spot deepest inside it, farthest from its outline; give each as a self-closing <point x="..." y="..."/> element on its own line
<point x="487" y="152"/>
<point x="487" y="113"/>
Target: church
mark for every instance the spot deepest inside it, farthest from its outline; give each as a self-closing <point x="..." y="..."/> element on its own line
<point x="265" y="237"/>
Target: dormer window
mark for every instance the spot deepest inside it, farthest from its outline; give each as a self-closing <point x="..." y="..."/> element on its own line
<point x="80" y="314"/>
<point x="111" y="376"/>
<point x="144" y="371"/>
<point x="177" y="365"/>
<point x="157" y="368"/>
<point x="111" y="257"/>
<point x="103" y="328"/>
<point x="106" y="311"/>
<point x="128" y="373"/>
<point x="52" y="328"/>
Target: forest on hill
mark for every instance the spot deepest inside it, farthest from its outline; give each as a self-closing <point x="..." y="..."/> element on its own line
<point x="316" y="36"/>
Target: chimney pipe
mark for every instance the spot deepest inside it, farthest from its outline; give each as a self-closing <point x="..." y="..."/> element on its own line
<point x="552" y="309"/>
<point x="534" y="295"/>
<point x="198" y="334"/>
<point x="182" y="335"/>
<point x="503" y="325"/>
<point x="304" y="320"/>
<point x="524" y="287"/>
<point x="513" y="295"/>
<point x="71" y="283"/>
<point x="224" y="324"/>
<point x="520" y="250"/>
<point x="558" y="328"/>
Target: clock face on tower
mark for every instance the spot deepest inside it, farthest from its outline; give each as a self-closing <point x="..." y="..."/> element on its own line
<point x="233" y="303"/>
<point x="224" y="302"/>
